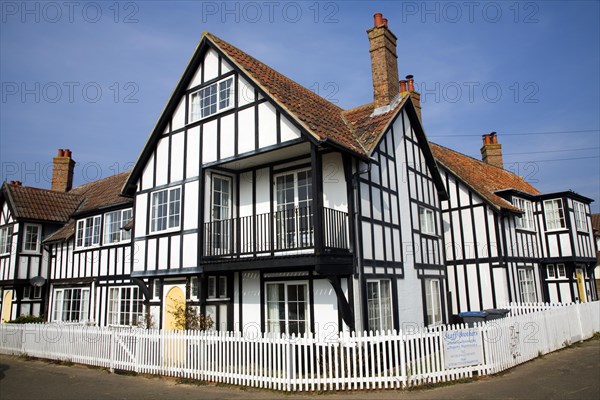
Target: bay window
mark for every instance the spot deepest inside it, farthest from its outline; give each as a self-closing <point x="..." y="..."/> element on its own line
<point x="526" y="220"/>
<point x="555" y="216"/>
<point x="580" y="216"/>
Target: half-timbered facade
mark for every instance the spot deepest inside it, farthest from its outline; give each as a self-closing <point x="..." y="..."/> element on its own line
<point x="272" y="209"/>
<point x="505" y="241"/>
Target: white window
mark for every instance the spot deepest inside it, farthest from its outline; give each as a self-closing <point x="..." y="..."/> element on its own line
<point x="287" y="308"/>
<point x="125" y="306"/>
<point x="113" y="226"/>
<point x="562" y="272"/>
<point x="550" y="271"/>
<point x="426" y="217"/>
<point x="527" y="286"/>
<point x="526" y="220"/>
<point x="71" y="305"/>
<point x="88" y="232"/>
<point x="555" y="216"/>
<point x="433" y="300"/>
<point x="6" y="239"/>
<point x="580" y="216"/>
<point x="212" y="99"/>
<point x="31" y="239"/>
<point x="379" y="305"/>
<point x="294" y="215"/>
<point x="221" y="214"/>
<point x="166" y="210"/>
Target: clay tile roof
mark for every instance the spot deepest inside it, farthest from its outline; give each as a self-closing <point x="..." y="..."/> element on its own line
<point x="483" y="178"/>
<point x="42" y="204"/>
<point x="321" y="118"/>
<point x="64" y="233"/>
<point x="102" y="193"/>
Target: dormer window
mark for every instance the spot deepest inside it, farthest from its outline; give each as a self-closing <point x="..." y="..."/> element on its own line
<point x="88" y="232"/>
<point x="31" y="241"/>
<point x="555" y="215"/>
<point x="211" y="99"/>
<point x="113" y="226"/>
<point x="524" y="221"/>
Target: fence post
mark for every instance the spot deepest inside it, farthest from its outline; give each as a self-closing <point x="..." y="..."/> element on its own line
<point x="112" y="352"/>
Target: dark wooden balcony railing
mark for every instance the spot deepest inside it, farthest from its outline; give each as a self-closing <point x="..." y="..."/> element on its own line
<point x="269" y="234"/>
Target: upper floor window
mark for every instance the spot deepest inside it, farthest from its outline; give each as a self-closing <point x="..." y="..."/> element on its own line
<point x="166" y="209"/>
<point x="113" y="226"/>
<point x="426" y="216"/>
<point x="31" y="240"/>
<point x="580" y="216"/>
<point x="555" y="215"/>
<point x="526" y="220"/>
<point x="5" y="239"/>
<point x="212" y="99"/>
<point x="88" y="232"/>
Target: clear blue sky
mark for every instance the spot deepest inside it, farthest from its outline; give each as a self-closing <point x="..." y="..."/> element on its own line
<point x="94" y="76"/>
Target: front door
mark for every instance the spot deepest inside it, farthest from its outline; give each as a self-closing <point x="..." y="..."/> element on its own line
<point x="580" y="285"/>
<point x="7" y="306"/>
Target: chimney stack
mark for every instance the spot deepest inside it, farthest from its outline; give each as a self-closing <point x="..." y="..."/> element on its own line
<point x="62" y="171"/>
<point x="491" y="151"/>
<point x="384" y="62"/>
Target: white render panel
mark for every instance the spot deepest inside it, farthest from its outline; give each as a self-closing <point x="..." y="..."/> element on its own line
<point x="246" y="130"/>
<point x="334" y="183"/>
<point x="163" y="252"/>
<point x="410" y="306"/>
<point x="209" y="142"/>
<point x="263" y="191"/>
<point x="190" y="211"/>
<point x="267" y="120"/>
<point x="190" y="250"/>
<point x="151" y="251"/>
<point x="553" y="292"/>
<point x="245" y="194"/>
<point x="565" y="245"/>
<point x="211" y="65"/>
<point x="227" y="136"/>
<point x="193" y="152"/>
<point x="251" y="302"/>
<point x="325" y="309"/>
<point x="378" y="238"/>
<point x="141" y="206"/>
<point x="138" y="255"/>
<point x="162" y="161"/>
<point x="367" y="249"/>
<point x="473" y="288"/>
<point x="501" y="286"/>
<point x="245" y="92"/>
<point x="177" y="154"/>
<point x="288" y="130"/>
<point x="148" y="174"/>
<point x="175" y="248"/>
<point x="225" y="67"/>
<point x="460" y="278"/>
<point x="178" y="120"/>
<point x="197" y="79"/>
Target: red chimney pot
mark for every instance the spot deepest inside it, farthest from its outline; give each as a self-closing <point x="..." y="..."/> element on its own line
<point x="68" y="153"/>
<point x="378" y="17"/>
<point x="385" y="22"/>
<point x="402" y="86"/>
<point x="61" y="153"/>
<point x="411" y="83"/>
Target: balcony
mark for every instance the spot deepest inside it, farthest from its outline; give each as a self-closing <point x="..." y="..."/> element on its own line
<point x="283" y="233"/>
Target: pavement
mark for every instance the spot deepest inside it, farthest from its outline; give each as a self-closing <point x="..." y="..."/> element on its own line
<point x="572" y="373"/>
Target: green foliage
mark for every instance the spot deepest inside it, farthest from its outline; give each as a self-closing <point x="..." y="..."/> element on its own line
<point x="187" y="317"/>
<point x="27" y="319"/>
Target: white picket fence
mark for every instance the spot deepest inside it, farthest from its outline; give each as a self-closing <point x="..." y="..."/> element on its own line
<point x="350" y="362"/>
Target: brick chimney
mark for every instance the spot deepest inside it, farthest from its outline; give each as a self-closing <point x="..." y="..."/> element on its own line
<point x="384" y="62"/>
<point x="491" y="151"/>
<point x="62" y="171"/>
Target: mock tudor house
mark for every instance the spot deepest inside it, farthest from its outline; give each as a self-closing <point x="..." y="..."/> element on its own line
<point x="273" y="209"/>
<point x="507" y="242"/>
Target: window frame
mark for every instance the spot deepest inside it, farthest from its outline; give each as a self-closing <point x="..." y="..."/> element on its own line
<point x="558" y="211"/>
<point x="120" y="231"/>
<point x="6" y="235"/>
<point x="431" y="303"/>
<point x="427" y="227"/>
<point x="216" y="288"/>
<point x="526" y="296"/>
<point x="385" y="317"/>
<point x="80" y="242"/>
<point x="550" y="267"/>
<point x="168" y="215"/>
<point x="269" y="322"/>
<point x="526" y="220"/>
<point x="58" y="302"/>
<point x="580" y="216"/>
<point x="38" y="240"/>
<point x="561" y="271"/>
<point x="134" y="302"/>
<point x="198" y="115"/>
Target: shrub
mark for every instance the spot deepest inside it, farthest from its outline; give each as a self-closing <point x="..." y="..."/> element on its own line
<point x="27" y="319"/>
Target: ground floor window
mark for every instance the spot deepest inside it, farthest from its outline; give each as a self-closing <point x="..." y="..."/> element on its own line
<point x="379" y="305"/>
<point x="526" y="286"/>
<point x="433" y="301"/>
<point x="71" y="305"/>
<point x="125" y="306"/>
<point x="287" y="308"/>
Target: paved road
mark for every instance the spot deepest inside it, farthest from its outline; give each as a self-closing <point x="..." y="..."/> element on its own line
<point x="572" y="373"/>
